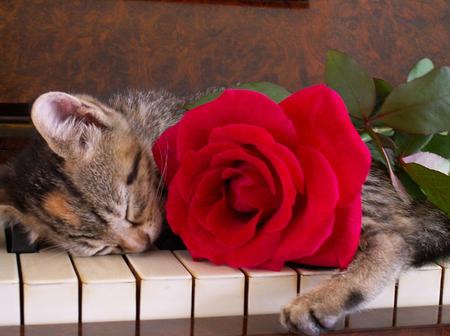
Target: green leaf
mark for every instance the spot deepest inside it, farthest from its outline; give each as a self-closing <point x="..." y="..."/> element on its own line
<point x="355" y="86"/>
<point x="408" y="144"/>
<point x="203" y="100"/>
<point x="411" y="187"/>
<point x="421" y="68"/>
<point x="439" y="144"/>
<point x="274" y="91"/>
<point x="375" y="153"/>
<point x="382" y="90"/>
<point x="434" y="184"/>
<point x="421" y="106"/>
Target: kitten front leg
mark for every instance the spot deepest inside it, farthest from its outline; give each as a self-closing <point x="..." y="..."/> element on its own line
<point x="383" y="256"/>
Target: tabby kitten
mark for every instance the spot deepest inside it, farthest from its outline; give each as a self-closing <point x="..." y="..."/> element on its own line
<point x="89" y="185"/>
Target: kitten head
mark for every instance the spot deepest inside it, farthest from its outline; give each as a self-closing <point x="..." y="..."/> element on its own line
<point x="91" y="187"/>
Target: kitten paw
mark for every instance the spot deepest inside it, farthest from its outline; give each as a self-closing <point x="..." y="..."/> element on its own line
<point x="309" y="315"/>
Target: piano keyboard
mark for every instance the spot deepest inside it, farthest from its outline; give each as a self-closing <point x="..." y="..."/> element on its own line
<point x="51" y="287"/>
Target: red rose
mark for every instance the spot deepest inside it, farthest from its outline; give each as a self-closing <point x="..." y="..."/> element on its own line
<point x="253" y="183"/>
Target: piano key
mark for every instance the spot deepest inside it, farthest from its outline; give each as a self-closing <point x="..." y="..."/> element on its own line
<point x="218" y="290"/>
<point x="50" y="288"/>
<point x="376" y="313"/>
<point x="445" y="317"/>
<point x="9" y="286"/>
<point x="165" y="285"/>
<point x="419" y="287"/>
<point x="446" y="283"/>
<point x="312" y="278"/>
<point x="108" y="291"/>
<point x="268" y="292"/>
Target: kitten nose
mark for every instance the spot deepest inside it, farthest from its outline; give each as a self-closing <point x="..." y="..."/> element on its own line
<point x="140" y="243"/>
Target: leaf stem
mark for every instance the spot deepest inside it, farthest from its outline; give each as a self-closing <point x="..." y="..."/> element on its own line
<point x="380" y="147"/>
<point x="398" y="186"/>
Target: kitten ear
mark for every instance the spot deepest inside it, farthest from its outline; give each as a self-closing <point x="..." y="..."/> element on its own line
<point x="70" y="126"/>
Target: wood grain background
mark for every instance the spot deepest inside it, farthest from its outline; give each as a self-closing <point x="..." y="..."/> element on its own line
<point x="101" y="47"/>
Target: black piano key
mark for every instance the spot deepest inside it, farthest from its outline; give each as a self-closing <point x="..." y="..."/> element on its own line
<point x="17" y="240"/>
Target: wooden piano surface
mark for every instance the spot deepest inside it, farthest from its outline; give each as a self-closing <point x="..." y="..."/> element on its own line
<point x="221" y="326"/>
<point x="102" y="47"/>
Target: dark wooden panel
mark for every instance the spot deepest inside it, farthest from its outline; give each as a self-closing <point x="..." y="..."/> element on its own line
<point x="101" y="47"/>
<point x="220" y="326"/>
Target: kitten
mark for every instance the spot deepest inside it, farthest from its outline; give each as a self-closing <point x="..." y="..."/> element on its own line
<point x="89" y="185"/>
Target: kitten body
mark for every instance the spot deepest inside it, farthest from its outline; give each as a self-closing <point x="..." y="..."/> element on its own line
<point x="89" y="184"/>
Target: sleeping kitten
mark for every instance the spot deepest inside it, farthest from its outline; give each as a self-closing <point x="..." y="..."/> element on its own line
<point x="89" y="185"/>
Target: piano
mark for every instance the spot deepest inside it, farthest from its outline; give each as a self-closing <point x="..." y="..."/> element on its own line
<point x="103" y="47"/>
<point x="52" y="287"/>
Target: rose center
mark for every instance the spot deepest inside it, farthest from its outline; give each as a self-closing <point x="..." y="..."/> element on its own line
<point x="246" y="190"/>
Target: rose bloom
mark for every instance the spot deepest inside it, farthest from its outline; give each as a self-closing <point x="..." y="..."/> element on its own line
<point x="253" y="183"/>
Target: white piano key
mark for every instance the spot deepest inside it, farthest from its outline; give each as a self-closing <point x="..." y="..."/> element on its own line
<point x="165" y="285"/>
<point x="268" y="292"/>
<point x="50" y="288"/>
<point x="9" y="285"/>
<point x="108" y="289"/>
<point x="218" y="290"/>
<point x="310" y="279"/>
<point x="446" y="283"/>
<point x="378" y="313"/>
<point x="419" y="287"/>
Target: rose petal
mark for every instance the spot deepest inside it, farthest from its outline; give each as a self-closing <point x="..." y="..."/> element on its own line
<point x="202" y="244"/>
<point x="257" y="252"/>
<point x="322" y="122"/>
<point x="234" y="107"/>
<point x="176" y="209"/>
<point x="239" y="154"/>
<point x="282" y="161"/>
<point x="339" y="249"/>
<point x="314" y="219"/>
<point x="229" y="227"/>
<point x="282" y="217"/>
<point x="207" y="194"/>
<point x="259" y="138"/>
<point x="247" y="191"/>
<point x="195" y="164"/>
